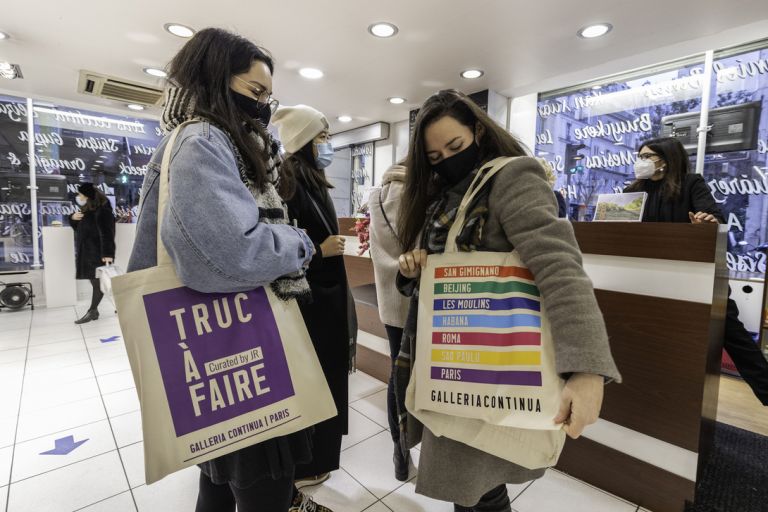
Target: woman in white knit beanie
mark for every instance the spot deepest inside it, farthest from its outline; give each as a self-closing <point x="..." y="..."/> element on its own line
<point x="330" y="317"/>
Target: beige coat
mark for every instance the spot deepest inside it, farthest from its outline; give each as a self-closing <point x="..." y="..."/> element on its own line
<point x="385" y="249"/>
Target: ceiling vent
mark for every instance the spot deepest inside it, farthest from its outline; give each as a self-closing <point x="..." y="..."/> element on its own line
<point x="118" y="89"/>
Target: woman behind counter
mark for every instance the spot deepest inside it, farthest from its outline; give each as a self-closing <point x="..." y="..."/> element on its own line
<point x="675" y="194"/>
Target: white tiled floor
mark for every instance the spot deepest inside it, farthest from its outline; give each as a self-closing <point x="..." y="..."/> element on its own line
<point x="60" y="380"/>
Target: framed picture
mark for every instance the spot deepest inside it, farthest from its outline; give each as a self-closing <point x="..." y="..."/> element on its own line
<point x="627" y="207"/>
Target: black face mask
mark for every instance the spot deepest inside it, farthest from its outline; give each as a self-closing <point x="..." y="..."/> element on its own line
<point x="457" y="167"/>
<point x="253" y="108"/>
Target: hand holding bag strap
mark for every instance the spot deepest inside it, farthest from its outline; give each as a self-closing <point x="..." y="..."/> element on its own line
<point x="481" y="179"/>
<point x="163" y="196"/>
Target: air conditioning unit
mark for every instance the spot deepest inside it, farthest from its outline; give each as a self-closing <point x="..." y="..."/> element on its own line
<point x="119" y="89"/>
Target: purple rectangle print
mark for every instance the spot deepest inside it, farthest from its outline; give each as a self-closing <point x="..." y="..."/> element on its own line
<point x="220" y="355"/>
<point x="510" y="378"/>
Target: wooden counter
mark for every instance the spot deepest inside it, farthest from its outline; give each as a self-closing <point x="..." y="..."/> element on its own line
<point x="662" y="289"/>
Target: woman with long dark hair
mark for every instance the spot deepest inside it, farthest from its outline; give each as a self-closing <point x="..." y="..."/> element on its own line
<point x="226" y="230"/>
<point x="94" y="227"/>
<point x="675" y="194"/>
<point x="330" y="314"/>
<point x="452" y="139"/>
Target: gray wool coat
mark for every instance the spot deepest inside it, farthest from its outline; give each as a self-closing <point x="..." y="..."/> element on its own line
<point x="523" y="216"/>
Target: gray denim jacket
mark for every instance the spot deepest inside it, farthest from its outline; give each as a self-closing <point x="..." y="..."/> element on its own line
<point x="211" y="229"/>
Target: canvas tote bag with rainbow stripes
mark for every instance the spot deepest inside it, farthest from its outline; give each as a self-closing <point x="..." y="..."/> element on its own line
<point x="484" y="372"/>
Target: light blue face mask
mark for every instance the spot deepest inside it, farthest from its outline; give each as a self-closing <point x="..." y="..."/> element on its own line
<point x="324" y="155"/>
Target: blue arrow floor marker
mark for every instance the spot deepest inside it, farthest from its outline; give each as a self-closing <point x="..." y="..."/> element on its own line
<point x="111" y="338"/>
<point x="65" y="446"/>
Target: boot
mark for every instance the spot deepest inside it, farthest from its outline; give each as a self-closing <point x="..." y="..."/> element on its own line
<point x="402" y="464"/>
<point x="92" y="314"/>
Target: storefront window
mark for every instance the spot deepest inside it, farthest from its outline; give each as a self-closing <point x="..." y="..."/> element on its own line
<point x="71" y="146"/>
<point x="15" y="209"/>
<point x="590" y="136"/>
<point x="738" y="178"/>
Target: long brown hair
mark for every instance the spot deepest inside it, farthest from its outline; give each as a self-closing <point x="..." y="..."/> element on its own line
<point x="204" y="67"/>
<point x="98" y="201"/>
<point x="673" y="153"/>
<point x="421" y="184"/>
<point x="301" y="166"/>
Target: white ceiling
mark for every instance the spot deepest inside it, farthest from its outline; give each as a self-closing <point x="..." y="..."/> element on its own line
<point x="519" y="44"/>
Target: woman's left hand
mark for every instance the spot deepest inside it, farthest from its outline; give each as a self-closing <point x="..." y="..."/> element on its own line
<point x="108" y="261"/>
<point x="581" y="403"/>
<point x="702" y="218"/>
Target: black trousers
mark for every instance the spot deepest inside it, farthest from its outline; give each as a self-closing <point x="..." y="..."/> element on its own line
<point x="746" y="354"/>
<point x="266" y="495"/>
<point x="395" y="335"/>
<point x="496" y="500"/>
<point x="97" y="295"/>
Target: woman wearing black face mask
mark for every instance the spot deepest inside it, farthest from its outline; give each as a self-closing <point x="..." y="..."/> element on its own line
<point x="254" y="99"/>
<point x="452" y="139"/>
<point x="227" y="229"/>
<point x="330" y="315"/>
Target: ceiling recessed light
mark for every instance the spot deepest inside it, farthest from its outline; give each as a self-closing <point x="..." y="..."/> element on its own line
<point x="155" y="72"/>
<point x="344" y="119"/>
<point x="471" y="74"/>
<point x="3" y="35"/>
<point x="134" y="106"/>
<point x="396" y="100"/>
<point x="383" y="29"/>
<point x="311" y="73"/>
<point x="596" y="30"/>
<point x="179" y="30"/>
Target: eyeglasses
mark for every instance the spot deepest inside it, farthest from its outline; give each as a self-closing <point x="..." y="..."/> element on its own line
<point x="647" y="156"/>
<point x="262" y="96"/>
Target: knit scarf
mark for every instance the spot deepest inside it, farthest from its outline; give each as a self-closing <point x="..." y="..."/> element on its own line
<point x="179" y="108"/>
<point x="441" y="215"/>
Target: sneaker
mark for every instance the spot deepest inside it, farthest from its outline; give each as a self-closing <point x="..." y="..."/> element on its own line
<point x="304" y="503"/>
<point x="312" y="480"/>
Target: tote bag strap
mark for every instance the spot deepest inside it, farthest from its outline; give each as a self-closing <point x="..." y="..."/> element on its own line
<point x="163" y="258"/>
<point x="320" y="214"/>
<point x="384" y="214"/>
<point x="481" y="179"/>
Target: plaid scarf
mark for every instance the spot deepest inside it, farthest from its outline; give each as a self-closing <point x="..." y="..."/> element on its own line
<point x="180" y="107"/>
<point x="441" y="215"/>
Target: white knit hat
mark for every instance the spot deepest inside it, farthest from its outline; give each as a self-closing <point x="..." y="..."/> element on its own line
<point x="298" y="125"/>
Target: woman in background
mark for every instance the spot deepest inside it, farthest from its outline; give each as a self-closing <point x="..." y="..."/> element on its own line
<point x="329" y="314"/>
<point x="384" y="207"/>
<point x="94" y="227"/>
